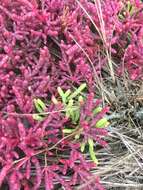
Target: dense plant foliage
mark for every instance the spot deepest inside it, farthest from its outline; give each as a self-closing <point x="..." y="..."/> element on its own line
<point x="51" y="52"/>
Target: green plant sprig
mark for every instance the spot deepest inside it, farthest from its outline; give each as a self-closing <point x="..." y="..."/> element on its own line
<point x="72" y="102"/>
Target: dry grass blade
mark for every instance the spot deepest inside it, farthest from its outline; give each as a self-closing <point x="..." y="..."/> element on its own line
<point x="101" y="32"/>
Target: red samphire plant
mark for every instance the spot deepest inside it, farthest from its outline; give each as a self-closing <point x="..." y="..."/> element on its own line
<point x="45" y="44"/>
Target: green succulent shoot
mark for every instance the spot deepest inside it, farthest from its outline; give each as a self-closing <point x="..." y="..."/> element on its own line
<point x="40" y="107"/>
<point x="91" y="151"/>
<point x="71" y="101"/>
<point x="102" y="123"/>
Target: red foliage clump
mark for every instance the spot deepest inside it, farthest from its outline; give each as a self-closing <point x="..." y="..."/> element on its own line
<point x="49" y="43"/>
